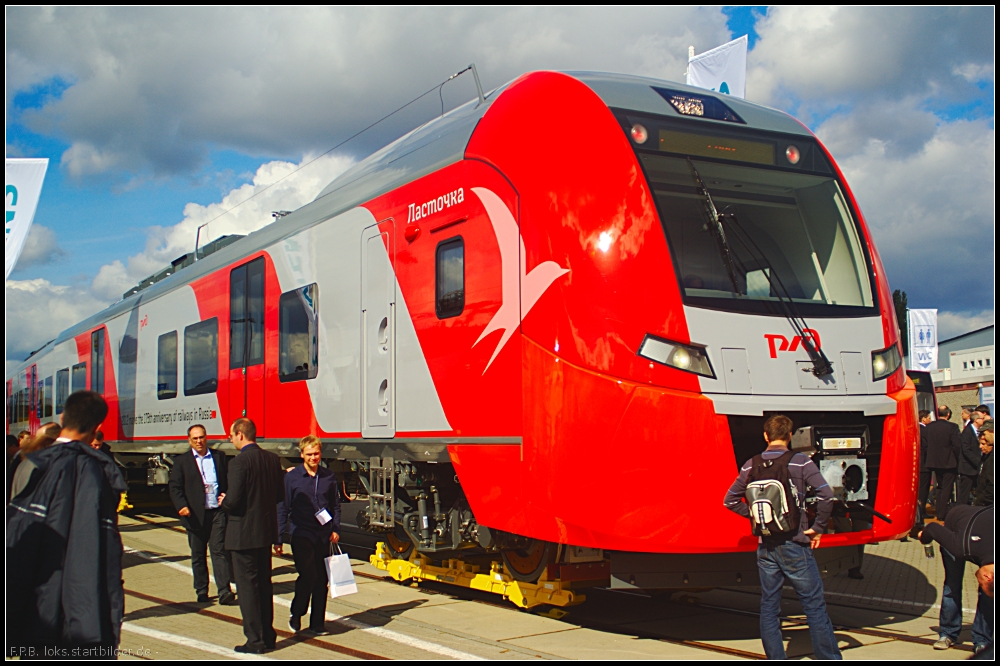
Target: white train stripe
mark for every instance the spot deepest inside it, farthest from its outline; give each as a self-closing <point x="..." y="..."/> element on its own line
<point x="210" y="648"/>
<point x="381" y="632"/>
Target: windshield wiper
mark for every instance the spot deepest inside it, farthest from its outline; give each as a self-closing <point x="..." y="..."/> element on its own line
<point x="715" y="228"/>
<point x="821" y="364"/>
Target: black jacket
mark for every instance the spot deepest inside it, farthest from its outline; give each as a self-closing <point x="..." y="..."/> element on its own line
<point x="923" y="446"/>
<point x="984" y="486"/>
<point x="943" y="444"/>
<point x="187" y="489"/>
<point x="971" y="456"/>
<point x="64" y="553"/>
<point x="255" y="489"/>
<point x="967" y="533"/>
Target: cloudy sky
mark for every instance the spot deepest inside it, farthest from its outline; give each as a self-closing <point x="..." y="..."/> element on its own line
<point x="157" y="120"/>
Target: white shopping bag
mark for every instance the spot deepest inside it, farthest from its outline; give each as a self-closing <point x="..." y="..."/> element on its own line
<point x="340" y="574"/>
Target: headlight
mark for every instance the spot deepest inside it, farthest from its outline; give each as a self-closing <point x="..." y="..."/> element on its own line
<point x="885" y="362"/>
<point x="683" y="357"/>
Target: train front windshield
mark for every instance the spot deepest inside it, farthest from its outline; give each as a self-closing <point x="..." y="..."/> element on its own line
<point x="780" y="235"/>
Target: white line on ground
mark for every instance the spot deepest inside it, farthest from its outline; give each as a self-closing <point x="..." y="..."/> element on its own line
<point x="190" y="642"/>
<point x="891" y="601"/>
<point x="381" y="632"/>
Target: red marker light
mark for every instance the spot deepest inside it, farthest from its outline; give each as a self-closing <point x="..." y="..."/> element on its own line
<point x="793" y="154"/>
<point x="411" y="232"/>
<point x="639" y="134"/>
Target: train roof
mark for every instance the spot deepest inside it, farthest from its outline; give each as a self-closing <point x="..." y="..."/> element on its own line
<point x="428" y="148"/>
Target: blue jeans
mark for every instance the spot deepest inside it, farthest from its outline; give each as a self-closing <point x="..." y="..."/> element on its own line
<point x="950" y="619"/>
<point x="793" y="562"/>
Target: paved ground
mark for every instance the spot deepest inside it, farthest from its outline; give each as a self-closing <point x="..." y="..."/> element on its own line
<point x="892" y="614"/>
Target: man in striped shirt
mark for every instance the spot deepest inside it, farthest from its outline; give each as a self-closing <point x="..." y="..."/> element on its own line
<point x="787" y="556"/>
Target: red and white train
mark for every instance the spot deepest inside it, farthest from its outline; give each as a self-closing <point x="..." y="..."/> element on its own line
<point x="556" y="316"/>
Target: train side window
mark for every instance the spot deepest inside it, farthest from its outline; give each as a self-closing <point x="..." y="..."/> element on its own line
<point x="201" y="357"/>
<point x="62" y="389"/>
<point x="166" y="366"/>
<point x="246" y="315"/>
<point x="49" y="398"/>
<point x="97" y="361"/>
<point x="450" y="278"/>
<point x="80" y="377"/>
<point x="298" y="325"/>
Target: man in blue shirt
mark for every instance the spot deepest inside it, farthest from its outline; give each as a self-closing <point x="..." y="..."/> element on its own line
<point x="197" y="481"/>
<point x="788" y="555"/>
<point x="309" y="519"/>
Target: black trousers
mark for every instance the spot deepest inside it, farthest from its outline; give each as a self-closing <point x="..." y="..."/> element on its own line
<point x="312" y="580"/>
<point x="211" y="536"/>
<point x="945" y="482"/>
<point x="965" y="486"/>
<point x="923" y="492"/>
<point x="252" y="572"/>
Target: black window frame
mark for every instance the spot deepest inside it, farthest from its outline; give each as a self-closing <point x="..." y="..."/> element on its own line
<point x="201" y="388"/>
<point x="161" y="393"/>
<point x="62" y="389"/>
<point x="441" y="309"/>
<point x="78" y="370"/>
<point x="97" y="346"/>
<point x="313" y="369"/>
<point x="244" y="320"/>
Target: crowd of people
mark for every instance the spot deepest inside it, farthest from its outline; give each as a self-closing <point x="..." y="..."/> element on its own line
<point x="65" y="591"/>
<point x="770" y="491"/>
<point x="64" y="552"/>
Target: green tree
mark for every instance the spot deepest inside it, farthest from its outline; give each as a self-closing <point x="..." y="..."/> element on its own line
<point x="899" y="303"/>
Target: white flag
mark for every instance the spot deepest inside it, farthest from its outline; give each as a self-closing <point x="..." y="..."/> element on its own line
<point x="24" y="185"/>
<point x="923" y="339"/>
<point x="723" y="69"/>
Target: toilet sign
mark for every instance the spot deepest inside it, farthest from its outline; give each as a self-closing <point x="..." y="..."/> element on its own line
<point x="23" y="180"/>
<point x="723" y="69"/>
<point x="923" y="339"/>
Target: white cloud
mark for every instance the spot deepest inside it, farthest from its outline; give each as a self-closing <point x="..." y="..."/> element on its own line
<point x="951" y="324"/>
<point x="827" y="57"/>
<point x="40" y="247"/>
<point x="37" y="310"/>
<point x="155" y="89"/>
<point x="932" y="214"/>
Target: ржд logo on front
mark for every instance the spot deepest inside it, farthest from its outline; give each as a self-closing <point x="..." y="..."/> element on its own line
<point x="779" y="343"/>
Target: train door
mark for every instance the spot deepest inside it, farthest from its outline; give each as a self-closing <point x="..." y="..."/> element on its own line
<point x="378" y="299"/>
<point x="34" y="400"/>
<point x="246" y="342"/>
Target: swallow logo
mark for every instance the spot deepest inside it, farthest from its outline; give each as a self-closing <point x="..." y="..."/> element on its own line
<point x="520" y="290"/>
<point x="777" y="343"/>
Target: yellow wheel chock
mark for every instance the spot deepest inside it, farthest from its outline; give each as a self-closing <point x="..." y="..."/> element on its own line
<point x="496" y="580"/>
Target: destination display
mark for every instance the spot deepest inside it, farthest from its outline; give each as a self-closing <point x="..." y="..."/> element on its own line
<point x="707" y="145"/>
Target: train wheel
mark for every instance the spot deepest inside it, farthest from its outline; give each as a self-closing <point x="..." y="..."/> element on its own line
<point x="399" y="548"/>
<point x="527" y="564"/>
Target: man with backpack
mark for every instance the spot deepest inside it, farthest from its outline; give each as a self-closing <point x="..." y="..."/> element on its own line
<point x="770" y="490"/>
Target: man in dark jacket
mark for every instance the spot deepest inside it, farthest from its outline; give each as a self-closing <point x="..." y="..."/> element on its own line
<point x="966" y="536"/>
<point x="255" y="489"/>
<point x="970" y="457"/>
<point x="197" y="481"/>
<point x="984" y="484"/>
<point x="64" y="553"/>
<point x="943" y="446"/>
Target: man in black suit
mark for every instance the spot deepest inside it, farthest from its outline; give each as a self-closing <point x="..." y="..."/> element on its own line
<point x="925" y="474"/>
<point x="943" y="447"/>
<point x="197" y="481"/>
<point x="971" y="457"/>
<point x="256" y="486"/>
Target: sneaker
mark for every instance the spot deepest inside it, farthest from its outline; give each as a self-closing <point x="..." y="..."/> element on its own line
<point x="943" y="643"/>
<point x="318" y="631"/>
<point x="204" y="599"/>
<point x="295" y="623"/>
<point x="229" y="601"/>
<point x="855" y="573"/>
<point x="979" y="648"/>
